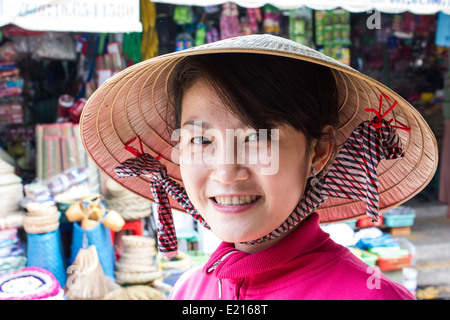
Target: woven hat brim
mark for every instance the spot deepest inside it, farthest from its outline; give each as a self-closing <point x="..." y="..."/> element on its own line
<point x="133" y="104"/>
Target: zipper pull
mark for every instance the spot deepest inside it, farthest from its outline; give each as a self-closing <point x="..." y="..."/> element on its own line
<point x="220" y="289"/>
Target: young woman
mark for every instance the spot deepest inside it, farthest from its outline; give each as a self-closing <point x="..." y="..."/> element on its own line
<point x="262" y="132"/>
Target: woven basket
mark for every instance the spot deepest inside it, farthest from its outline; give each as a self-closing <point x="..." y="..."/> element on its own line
<point x="41" y="223"/>
<point x="147" y="259"/>
<point x="138" y="251"/>
<point x="130" y="241"/>
<point x="137" y="277"/>
<point x="133" y="267"/>
<point x="137" y="263"/>
<point x="136" y="292"/>
<point x="46" y="251"/>
<point x="40" y="229"/>
<point x="38" y="209"/>
<point x="130" y="208"/>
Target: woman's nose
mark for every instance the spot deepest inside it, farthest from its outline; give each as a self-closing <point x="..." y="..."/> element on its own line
<point x="229" y="173"/>
<point x="228" y="166"/>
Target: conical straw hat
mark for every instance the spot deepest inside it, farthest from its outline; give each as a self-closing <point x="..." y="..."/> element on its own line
<point x="133" y="104"/>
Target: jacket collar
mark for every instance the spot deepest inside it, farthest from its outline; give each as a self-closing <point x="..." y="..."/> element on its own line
<point x="228" y="263"/>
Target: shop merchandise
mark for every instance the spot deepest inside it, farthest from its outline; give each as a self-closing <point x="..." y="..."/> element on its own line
<point x="255" y="18"/>
<point x="44" y="247"/>
<point x="12" y="257"/>
<point x="45" y="250"/>
<point x="93" y="214"/>
<point x="332" y="29"/>
<point x="30" y="284"/>
<point x="130" y="206"/>
<point x="200" y="34"/>
<point x="301" y="26"/>
<point x="41" y="218"/>
<point x="11" y="89"/>
<point x="150" y="42"/>
<point x="10" y="189"/>
<point x="137" y="263"/>
<point x="92" y="224"/>
<point x="86" y="279"/>
<point x="271" y="20"/>
<point x="100" y="237"/>
<point x="183" y="41"/>
<point x="58" y="150"/>
<point x="135" y="292"/>
<point x="229" y="21"/>
<point x="183" y="15"/>
<point x="12" y="253"/>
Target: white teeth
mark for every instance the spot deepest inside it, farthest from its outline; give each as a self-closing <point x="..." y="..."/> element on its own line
<point x="235" y="201"/>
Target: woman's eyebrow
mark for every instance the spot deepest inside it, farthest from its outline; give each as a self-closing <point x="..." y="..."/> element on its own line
<point x="198" y="123"/>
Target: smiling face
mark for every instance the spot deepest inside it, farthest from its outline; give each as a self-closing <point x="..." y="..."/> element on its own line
<point x="252" y="128"/>
<point x="230" y="189"/>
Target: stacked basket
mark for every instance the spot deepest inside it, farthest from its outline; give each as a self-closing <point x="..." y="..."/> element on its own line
<point x="130" y="206"/>
<point x="137" y="264"/>
<point x="41" y="218"/>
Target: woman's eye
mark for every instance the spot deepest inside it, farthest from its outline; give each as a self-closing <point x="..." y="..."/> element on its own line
<point x="200" y="140"/>
<point x="257" y="136"/>
<point x="252" y="137"/>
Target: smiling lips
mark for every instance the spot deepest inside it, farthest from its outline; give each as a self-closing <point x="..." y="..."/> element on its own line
<point x="234" y="204"/>
<point x="235" y="200"/>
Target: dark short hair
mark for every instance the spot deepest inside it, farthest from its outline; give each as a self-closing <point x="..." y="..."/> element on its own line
<point x="263" y="91"/>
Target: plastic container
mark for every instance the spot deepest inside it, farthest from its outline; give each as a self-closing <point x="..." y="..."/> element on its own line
<point x="382" y="241"/>
<point x="369" y="258"/>
<point x="392" y="219"/>
<point x="367" y="222"/>
<point x="395" y="263"/>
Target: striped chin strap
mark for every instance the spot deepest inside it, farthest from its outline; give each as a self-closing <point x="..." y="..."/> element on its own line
<point x="353" y="175"/>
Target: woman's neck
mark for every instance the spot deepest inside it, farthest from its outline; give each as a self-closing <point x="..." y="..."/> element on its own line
<point x="253" y="248"/>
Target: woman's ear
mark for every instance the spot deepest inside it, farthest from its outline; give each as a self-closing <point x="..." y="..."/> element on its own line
<point x="323" y="149"/>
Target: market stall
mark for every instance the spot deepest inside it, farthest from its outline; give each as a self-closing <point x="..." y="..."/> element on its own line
<point x="54" y="54"/>
<point x="388" y="6"/>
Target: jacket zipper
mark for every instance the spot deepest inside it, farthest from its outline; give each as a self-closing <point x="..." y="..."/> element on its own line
<point x="215" y="265"/>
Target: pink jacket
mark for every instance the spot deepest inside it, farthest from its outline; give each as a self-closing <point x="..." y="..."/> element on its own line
<point x="306" y="264"/>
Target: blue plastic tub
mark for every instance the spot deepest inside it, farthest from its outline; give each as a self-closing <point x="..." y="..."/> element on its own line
<point x="399" y="217"/>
